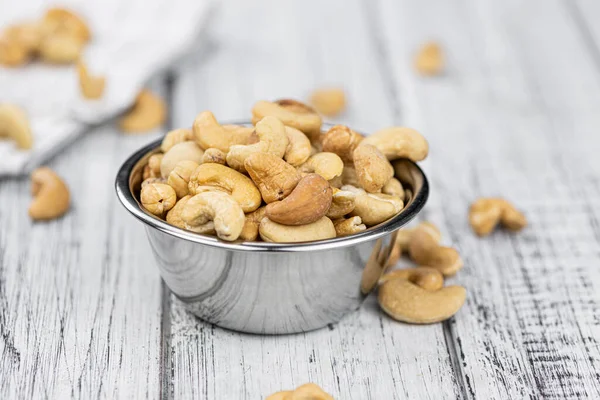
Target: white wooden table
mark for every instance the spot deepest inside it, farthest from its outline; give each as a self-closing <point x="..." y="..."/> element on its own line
<point x="83" y="312"/>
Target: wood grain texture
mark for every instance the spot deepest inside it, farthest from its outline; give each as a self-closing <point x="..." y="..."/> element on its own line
<point x="367" y="355"/>
<point x="79" y="296"/>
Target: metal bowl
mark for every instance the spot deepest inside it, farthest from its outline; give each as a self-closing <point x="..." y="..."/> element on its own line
<point x="259" y="287"/>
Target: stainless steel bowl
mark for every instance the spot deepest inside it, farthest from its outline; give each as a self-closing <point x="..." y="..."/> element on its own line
<point x="258" y="287"/>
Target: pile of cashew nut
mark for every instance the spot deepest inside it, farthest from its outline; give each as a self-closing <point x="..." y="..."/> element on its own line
<point x="281" y="180"/>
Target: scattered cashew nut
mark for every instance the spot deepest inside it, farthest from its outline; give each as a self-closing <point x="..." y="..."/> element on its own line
<point x="486" y="213"/>
<point x="228" y="180"/>
<point x="12" y="53"/>
<point x="92" y="87"/>
<point x="399" y="142"/>
<point x="148" y="112"/>
<point x="430" y="59"/>
<point x="307" y="203"/>
<point x="51" y="197"/>
<point x="274" y="177"/>
<point x="66" y="22"/>
<point x="217" y="207"/>
<point x="272" y="139"/>
<point x="402" y="297"/>
<point x="271" y="231"/>
<point x="424" y="249"/>
<point x="60" y="49"/>
<point x="15" y="125"/>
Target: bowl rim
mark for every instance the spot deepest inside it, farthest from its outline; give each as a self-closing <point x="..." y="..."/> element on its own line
<point x="131" y="204"/>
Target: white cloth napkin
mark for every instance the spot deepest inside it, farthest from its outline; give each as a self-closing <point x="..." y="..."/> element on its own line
<point x="132" y="40"/>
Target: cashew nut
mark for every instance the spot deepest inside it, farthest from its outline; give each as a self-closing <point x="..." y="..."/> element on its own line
<point x="176" y="136"/>
<point x="241" y="188"/>
<point x="15" y="125"/>
<point x="250" y="230"/>
<point x="298" y="149"/>
<point x="184" y="151"/>
<point x="217" y="207"/>
<point x="148" y="112"/>
<point x="393" y="187"/>
<point x="399" y="142"/>
<point x="51" y="197"/>
<point x="307" y="203"/>
<point x="272" y="139"/>
<point x="213" y="155"/>
<point x="424" y="249"/>
<point x="372" y="168"/>
<point x="403" y="298"/>
<point x="404" y="236"/>
<point x="308" y="391"/>
<point x="150" y="180"/>
<point x="342" y="203"/>
<point x="12" y="53"/>
<point x="60" y="48"/>
<point x="350" y="226"/>
<point x="328" y="165"/>
<point x="328" y="101"/>
<point x="349" y="176"/>
<point x="210" y="134"/>
<point x="292" y="113"/>
<point x="430" y="59"/>
<point x="65" y="22"/>
<point x="92" y="87"/>
<point x="154" y="162"/>
<point x="174" y="217"/>
<point x="486" y="213"/>
<point x="274" y="177"/>
<point x="271" y="231"/>
<point x="26" y="35"/>
<point x="342" y="141"/>
<point x="374" y="208"/>
<point x="179" y="177"/>
<point x="158" y="198"/>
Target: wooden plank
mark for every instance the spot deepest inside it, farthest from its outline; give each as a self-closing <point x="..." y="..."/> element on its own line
<point x="513" y="116"/>
<point x="367" y="356"/>
<point x="80" y="297"/>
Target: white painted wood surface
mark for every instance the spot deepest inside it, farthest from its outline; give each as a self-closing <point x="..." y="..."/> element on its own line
<point x="81" y="309"/>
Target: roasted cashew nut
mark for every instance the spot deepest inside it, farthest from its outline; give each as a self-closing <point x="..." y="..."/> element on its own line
<point x="12" y="53"/>
<point x="250" y="230"/>
<point x="374" y="208"/>
<point x="274" y="177"/>
<point x="215" y="156"/>
<point x="308" y="391"/>
<point x="350" y="226"/>
<point x="430" y="59"/>
<point x="271" y="231"/>
<point x="65" y="22"/>
<point x="61" y="49"/>
<point x="393" y="187"/>
<point x="424" y="249"/>
<point x="176" y="136"/>
<point x="307" y="203"/>
<point x="342" y="203"/>
<point x="272" y="137"/>
<point x="399" y="142"/>
<point x="184" y="151"/>
<point x="179" y="177"/>
<point x="328" y="165"/>
<point x="158" y="198"/>
<point x="51" y="197"/>
<point x="15" y="125"/>
<point x="292" y="113"/>
<point x="373" y="170"/>
<point x="210" y="134"/>
<point x="299" y="147"/>
<point x="402" y="297"/>
<point x="223" y="178"/>
<point x="342" y="141"/>
<point x="486" y="213"/>
<point x="148" y="112"/>
<point x="217" y="207"/>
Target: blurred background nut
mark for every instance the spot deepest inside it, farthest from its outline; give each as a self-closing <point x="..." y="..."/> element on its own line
<point x="373" y="170"/>
<point x="15" y="125"/>
<point x="403" y="298"/>
<point x="92" y="87"/>
<point x="308" y="391"/>
<point x="430" y="59"/>
<point x="158" y="198"/>
<point x="174" y="214"/>
<point x="486" y="213"/>
<point x="60" y="21"/>
<point x="342" y="141"/>
<point x="60" y="49"/>
<point x="148" y="112"/>
<point x="27" y="35"/>
<point x="51" y="198"/>
<point x="12" y="53"/>
<point x="424" y="249"/>
<point x="328" y="101"/>
<point x="399" y="142"/>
